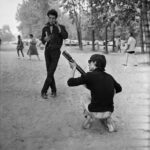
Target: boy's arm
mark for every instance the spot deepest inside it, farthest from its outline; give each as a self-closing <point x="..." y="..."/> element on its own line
<point x="117" y="86"/>
<point x="74" y="81"/>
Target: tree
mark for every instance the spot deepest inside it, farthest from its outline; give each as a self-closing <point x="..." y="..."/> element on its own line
<point x="128" y="12"/>
<point x="146" y="22"/>
<point x="32" y="16"/>
<point x="74" y="8"/>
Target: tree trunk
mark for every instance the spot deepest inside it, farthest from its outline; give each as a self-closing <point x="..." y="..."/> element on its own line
<point x="93" y="40"/>
<point x="146" y="24"/>
<point x="79" y="34"/>
<point x="113" y="37"/>
<point x="106" y="46"/>
<point x="141" y="34"/>
<point x="30" y="29"/>
<point x="92" y="23"/>
<point x="78" y="28"/>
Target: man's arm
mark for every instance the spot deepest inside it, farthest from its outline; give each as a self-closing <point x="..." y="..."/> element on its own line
<point x="45" y="36"/>
<point x="63" y="31"/>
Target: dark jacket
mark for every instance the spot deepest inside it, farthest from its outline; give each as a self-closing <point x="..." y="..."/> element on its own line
<point x="20" y="45"/>
<point x="56" y="38"/>
<point x="102" y="87"/>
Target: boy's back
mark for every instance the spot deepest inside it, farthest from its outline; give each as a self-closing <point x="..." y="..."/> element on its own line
<point x="102" y="87"/>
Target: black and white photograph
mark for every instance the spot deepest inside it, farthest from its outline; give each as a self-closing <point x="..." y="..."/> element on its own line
<point x="74" y="74"/>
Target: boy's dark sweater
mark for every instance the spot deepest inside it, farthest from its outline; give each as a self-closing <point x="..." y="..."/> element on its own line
<point x="102" y="86"/>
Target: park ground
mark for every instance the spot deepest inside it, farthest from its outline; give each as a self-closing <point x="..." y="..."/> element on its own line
<point x="28" y="122"/>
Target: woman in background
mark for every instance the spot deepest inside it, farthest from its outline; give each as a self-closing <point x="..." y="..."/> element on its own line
<point x="32" y="48"/>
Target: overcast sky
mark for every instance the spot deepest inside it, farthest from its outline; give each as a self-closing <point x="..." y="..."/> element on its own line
<point x="8" y="9"/>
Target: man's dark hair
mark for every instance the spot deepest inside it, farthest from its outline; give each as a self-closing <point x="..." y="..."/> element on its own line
<point x="131" y="34"/>
<point x="19" y="36"/>
<point x="100" y="61"/>
<point x="52" y="12"/>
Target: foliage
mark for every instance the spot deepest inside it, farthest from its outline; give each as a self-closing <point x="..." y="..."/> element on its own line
<point x="32" y="16"/>
<point x="80" y="16"/>
<point x="124" y="13"/>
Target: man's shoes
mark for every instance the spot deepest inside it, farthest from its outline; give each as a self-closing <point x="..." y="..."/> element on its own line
<point x="53" y="94"/>
<point x="44" y="96"/>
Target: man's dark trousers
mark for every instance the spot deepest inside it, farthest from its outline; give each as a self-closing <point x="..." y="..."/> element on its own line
<point x="51" y="58"/>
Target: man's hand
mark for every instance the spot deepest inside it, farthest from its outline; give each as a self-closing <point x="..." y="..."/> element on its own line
<point x="46" y="38"/>
<point x="58" y="26"/>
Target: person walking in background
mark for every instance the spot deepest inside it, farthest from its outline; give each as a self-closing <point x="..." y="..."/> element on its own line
<point x="130" y="50"/>
<point x="0" y="43"/>
<point x="102" y="87"/>
<point x="119" y="44"/>
<point x="53" y="34"/>
<point x="20" y="46"/>
<point x="32" y="47"/>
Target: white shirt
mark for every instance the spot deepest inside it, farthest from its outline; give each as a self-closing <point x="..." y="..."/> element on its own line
<point x="132" y="44"/>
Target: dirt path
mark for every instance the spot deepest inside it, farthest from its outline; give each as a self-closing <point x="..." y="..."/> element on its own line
<point x="28" y="122"/>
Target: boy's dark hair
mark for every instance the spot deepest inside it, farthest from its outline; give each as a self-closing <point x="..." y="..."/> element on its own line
<point x="100" y="61"/>
<point x="52" y="12"/>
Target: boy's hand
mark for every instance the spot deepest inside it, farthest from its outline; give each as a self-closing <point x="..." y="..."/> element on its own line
<point x="73" y="65"/>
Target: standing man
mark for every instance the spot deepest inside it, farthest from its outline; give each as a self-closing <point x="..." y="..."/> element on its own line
<point x="52" y="36"/>
<point x="131" y="45"/>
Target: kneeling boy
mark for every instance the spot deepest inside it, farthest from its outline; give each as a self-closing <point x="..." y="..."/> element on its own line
<point x="102" y="87"/>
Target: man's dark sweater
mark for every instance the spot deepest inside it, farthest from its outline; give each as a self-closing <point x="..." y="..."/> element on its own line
<point x="56" y="38"/>
<point x="102" y="87"/>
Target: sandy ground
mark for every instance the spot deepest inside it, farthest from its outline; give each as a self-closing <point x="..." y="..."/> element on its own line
<point x="27" y="122"/>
